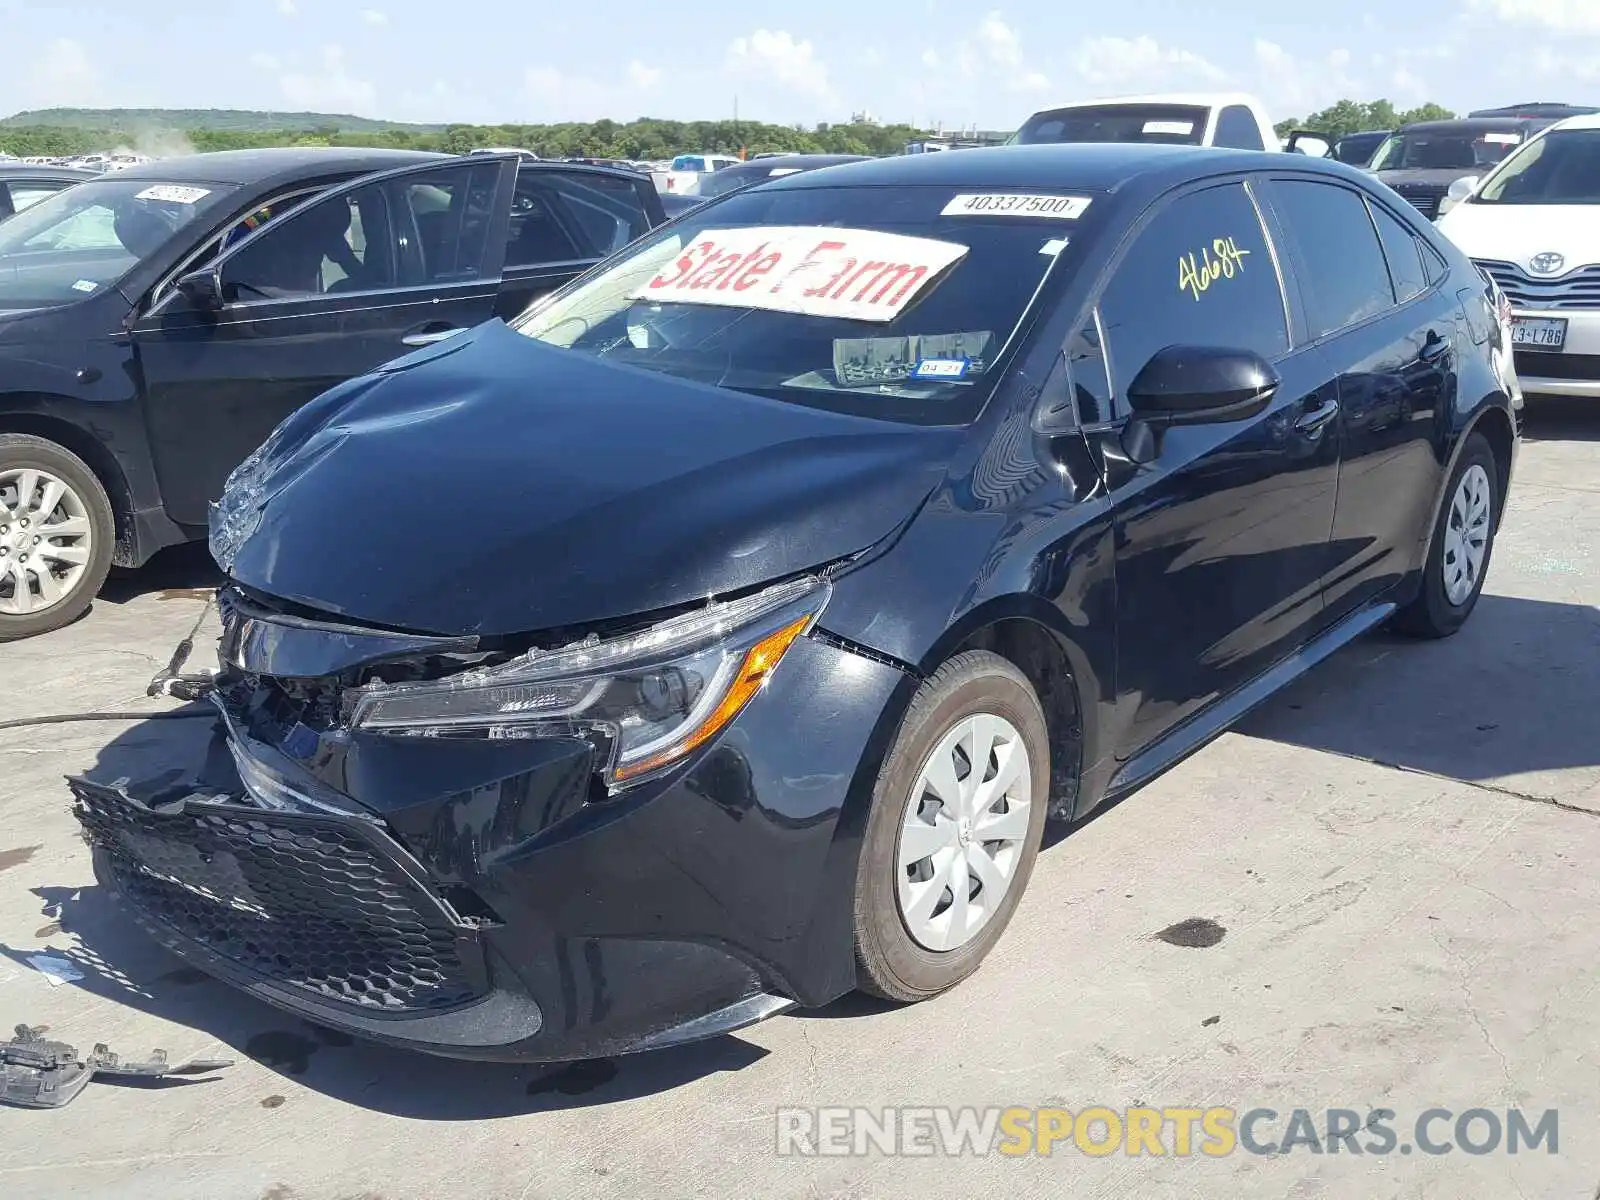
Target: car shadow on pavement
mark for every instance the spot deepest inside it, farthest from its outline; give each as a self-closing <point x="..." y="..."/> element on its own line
<point x="1511" y="695"/>
<point x="178" y="572"/>
<point x="119" y="962"/>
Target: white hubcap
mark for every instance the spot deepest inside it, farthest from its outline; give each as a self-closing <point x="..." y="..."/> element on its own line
<point x="961" y="838"/>
<point x="44" y="541"/>
<point x="1466" y="534"/>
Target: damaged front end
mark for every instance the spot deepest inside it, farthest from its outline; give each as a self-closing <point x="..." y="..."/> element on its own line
<point x="484" y="849"/>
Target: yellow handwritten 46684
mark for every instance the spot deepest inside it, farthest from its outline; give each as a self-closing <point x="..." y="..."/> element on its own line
<point x="1221" y="260"/>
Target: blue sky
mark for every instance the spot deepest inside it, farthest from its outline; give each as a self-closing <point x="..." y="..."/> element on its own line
<point x="923" y="61"/>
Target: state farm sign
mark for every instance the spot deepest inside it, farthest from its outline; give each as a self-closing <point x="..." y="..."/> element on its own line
<point x="856" y="274"/>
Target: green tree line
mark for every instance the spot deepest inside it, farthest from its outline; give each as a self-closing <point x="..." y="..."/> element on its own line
<point x="647" y="138"/>
<point x="1356" y="116"/>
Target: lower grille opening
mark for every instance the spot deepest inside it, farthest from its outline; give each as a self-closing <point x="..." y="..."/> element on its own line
<point x="313" y="902"/>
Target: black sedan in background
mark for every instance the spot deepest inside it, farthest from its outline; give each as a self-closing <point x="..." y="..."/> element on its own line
<point x="718" y="635"/>
<point x="157" y="323"/>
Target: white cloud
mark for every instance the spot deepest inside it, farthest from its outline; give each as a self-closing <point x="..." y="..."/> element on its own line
<point x="287" y="7"/>
<point x="265" y="62"/>
<point x="63" y="76"/>
<point x="1029" y="81"/>
<point x="332" y="88"/>
<point x="1142" y="62"/>
<point x="1564" y="16"/>
<point x="374" y="16"/>
<point x="999" y="41"/>
<point x="643" y="77"/>
<point x="930" y="58"/>
<point x="775" y="55"/>
<point x="1291" y="86"/>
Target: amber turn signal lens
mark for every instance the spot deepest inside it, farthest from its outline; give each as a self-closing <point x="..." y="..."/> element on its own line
<point x="759" y="663"/>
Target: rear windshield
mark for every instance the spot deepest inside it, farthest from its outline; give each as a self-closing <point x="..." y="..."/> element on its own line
<point x="887" y="302"/>
<point x="1562" y="167"/>
<point x="1169" y="124"/>
<point x="1445" y="150"/>
<point x="83" y="240"/>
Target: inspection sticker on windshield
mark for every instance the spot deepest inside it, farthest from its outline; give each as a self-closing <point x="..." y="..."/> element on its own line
<point x="1013" y="204"/>
<point x="1173" y="128"/>
<point x="173" y="193"/>
<point x="85" y="285"/>
<point x="1502" y="139"/>
<point x="819" y="271"/>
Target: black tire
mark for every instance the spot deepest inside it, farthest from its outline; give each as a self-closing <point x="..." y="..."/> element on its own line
<point x="1432" y="614"/>
<point x="21" y="451"/>
<point x="890" y="963"/>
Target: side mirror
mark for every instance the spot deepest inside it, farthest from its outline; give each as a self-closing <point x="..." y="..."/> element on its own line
<point x="203" y="287"/>
<point x="1198" y="385"/>
<point x="1459" y="191"/>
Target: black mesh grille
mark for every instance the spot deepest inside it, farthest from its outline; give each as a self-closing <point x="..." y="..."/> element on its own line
<point x="1424" y="197"/>
<point x="317" y="902"/>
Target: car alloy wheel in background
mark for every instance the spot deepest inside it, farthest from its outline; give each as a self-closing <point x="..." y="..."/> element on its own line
<point x="56" y="535"/>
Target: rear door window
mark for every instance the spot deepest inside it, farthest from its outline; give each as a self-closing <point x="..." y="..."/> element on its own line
<point x="565" y="216"/>
<point x="1200" y="273"/>
<point x="1344" y="278"/>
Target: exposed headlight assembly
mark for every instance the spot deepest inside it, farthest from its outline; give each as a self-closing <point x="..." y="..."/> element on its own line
<point x="657" y="694"/>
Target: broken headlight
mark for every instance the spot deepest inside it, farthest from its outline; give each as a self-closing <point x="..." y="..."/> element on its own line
<point x="656" y="695"/>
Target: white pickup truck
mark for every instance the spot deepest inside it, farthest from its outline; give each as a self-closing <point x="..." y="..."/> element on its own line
<point x="1182" y="119"/>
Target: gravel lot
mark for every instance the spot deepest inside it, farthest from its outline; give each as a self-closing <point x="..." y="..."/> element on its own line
<point x="1400" y="850"/>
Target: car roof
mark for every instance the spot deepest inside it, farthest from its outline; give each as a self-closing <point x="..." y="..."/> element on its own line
<point x="1188" y="99"/>
<point x="1588" y="121"/>
<point x="1091" y="166"/>
<point x="19" y="170"/>
<point x="779" y="161"/>
<point x="259" y="166"/>
<point x="1471" y="125"/>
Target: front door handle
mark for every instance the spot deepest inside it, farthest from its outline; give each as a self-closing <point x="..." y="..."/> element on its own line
<point x="1434" y="347"/>
<point x="429" y="336"/>
<point x="1311" y="423"/>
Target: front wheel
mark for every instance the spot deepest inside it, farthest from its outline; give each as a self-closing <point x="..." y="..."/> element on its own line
<point x="56" y="536"/>
<point x="957" y="817"/>
<point x="1463" y="539"/>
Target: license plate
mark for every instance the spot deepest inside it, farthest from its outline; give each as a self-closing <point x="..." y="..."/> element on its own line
<point x="1539" y="333"/>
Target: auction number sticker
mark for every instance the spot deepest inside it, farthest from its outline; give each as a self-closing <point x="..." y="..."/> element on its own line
<point x="173" y="193"/>
<point x="1013" y="204"/>
<point x="855" y="274"/>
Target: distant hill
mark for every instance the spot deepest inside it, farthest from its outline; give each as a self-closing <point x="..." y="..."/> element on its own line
<point x="218" y="120"/>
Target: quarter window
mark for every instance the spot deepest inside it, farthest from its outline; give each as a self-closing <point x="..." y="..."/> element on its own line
<point x="1200" y="273"/>
<point x="1344" y="278"/>
<point x="1403" y="253"/>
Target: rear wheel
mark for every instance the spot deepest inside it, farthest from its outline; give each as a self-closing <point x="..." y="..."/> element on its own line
<point x="1458" y="560"/>
<point x="957" y="817"/>
<point x="56" y="536"/>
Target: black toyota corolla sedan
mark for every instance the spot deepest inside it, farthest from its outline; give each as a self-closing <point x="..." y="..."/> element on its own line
<point x="718" y="635"/>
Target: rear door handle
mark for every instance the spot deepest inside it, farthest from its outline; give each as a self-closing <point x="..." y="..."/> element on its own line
<point x="1434" y="347"/>
<point x="1312" y="422"/>
<point x="429" y="337"/>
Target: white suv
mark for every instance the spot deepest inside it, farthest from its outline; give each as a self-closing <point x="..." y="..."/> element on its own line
<point x="1533" y="225"/>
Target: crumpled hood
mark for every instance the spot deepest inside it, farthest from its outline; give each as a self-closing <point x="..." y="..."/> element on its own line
<point x="495" y="485"/>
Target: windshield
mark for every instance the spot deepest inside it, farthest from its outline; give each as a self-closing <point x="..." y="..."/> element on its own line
<point x="1444" y="150"/>
<point x="1169" y="124"/>
<point x="1562" y="167"/>
<point x="887" y="302"/>
<point x="731" y="179"/>
<point x="84" y="239"/>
